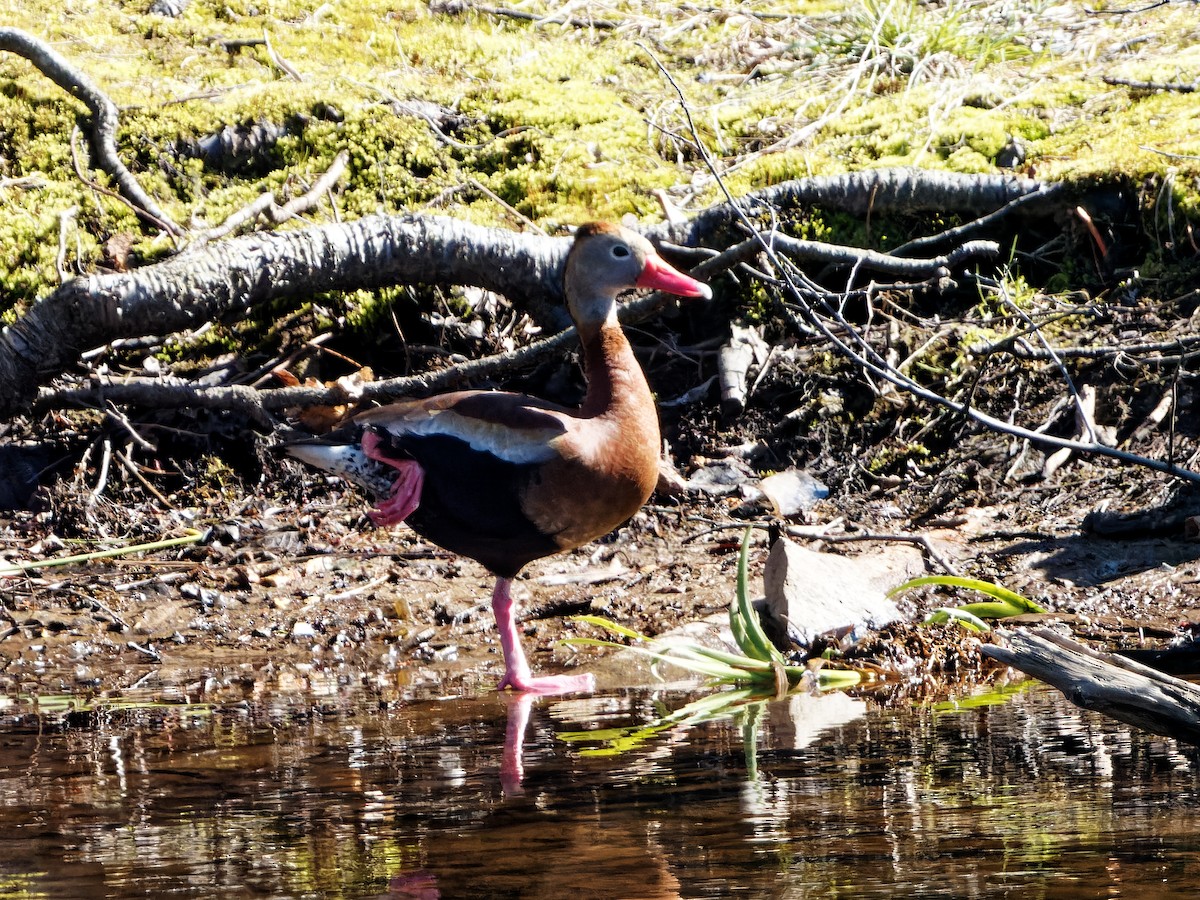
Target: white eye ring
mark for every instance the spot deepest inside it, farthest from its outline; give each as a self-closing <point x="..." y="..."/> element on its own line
<point x="620" y="251"/>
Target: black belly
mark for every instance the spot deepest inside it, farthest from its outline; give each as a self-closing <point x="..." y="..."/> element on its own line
<point x="471" y="503"/>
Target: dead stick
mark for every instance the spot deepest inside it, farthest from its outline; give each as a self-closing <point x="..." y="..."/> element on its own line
<point x="104" y="116"/>
<point x="279" y="213"/>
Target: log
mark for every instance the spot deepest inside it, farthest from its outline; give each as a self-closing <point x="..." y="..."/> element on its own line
<point x="1104" y="682"/>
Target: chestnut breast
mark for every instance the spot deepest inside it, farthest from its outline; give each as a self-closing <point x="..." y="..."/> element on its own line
<point x="606" y="466"/>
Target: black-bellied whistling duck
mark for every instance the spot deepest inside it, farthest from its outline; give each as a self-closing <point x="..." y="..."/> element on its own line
<point x="506" y="478"/>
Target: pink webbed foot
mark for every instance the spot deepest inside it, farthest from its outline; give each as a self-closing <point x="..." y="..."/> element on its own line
<point x="406" y="489"/>
<point x="548" y="685"/>
<point x="517" y="674"/>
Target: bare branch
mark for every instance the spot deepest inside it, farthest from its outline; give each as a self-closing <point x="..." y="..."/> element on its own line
<point x="223" y="279"/>
<point x="278" y="61"/>
<point x="265" y="205"/>
<point x="1178" y="87"/>
<point x="873" y="191"/>
<point x="104" y="117"/>
<point x="554" y="19"/>
<point x="883" y="262"/>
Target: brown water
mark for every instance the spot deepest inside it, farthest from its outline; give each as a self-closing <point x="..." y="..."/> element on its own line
<point x="323" y="790"/>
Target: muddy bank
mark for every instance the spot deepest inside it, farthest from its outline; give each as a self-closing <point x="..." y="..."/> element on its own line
<point x="301" y="582"/>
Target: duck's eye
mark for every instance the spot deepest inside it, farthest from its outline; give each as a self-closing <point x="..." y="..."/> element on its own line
<point x="620" y="251"/>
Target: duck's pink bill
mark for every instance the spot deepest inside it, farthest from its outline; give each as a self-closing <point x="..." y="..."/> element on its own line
<point x="659" y="276"/>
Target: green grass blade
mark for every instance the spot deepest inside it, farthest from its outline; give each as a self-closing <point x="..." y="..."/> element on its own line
<point x="945" y="614"/>
<point x="992" y="609"/>
<point x="757" y="667"/>
<point x="610" y="625"/>
<point x="1002" y="594"/>
<point x="729" y="658"/>
<point x="743" y="618"/>
<point x="837" y="679"/>
<point x="621" y="740"/>
<point x="21" y="568"/>
<point x="710" y="668"/>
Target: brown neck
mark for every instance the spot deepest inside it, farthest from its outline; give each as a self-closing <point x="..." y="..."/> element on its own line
<point x="615" y="380"/>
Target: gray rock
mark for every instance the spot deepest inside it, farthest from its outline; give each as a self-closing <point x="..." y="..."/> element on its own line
<point x="811" y="593"/>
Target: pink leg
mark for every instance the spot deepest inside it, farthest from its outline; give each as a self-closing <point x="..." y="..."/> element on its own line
<point x="406" y="490"/>
<point x="517" y="674"/>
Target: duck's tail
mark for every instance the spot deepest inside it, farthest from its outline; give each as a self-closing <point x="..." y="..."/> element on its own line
<point x="344" y="458"/>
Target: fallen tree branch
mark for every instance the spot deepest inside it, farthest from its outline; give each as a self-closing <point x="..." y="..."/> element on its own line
<point x="258" y="405"/>
<point x="223" y="279"/>
<point x="104" y="119"/>
<point x="873" y="191"/>
<point x="1113" y="685"/>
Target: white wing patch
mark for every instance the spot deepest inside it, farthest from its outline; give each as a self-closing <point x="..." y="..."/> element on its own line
<point x="504" y="441"/>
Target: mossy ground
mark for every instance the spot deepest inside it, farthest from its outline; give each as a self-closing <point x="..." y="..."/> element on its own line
<point x="565" y="122"/>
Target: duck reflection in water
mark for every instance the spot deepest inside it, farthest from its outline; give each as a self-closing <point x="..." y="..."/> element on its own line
<point x="526" y="851"/>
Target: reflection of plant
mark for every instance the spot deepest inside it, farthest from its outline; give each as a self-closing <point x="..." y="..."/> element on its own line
<point x="760" y="668"/>
<point x="745" y="702"/>
<point x="997" y="695"/>
<point x="1004" y="603"/>
<point x="761" y="665"/>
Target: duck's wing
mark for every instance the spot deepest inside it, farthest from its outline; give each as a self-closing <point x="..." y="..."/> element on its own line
<point x="513" y="428"/>
<point x="481" y="455"/>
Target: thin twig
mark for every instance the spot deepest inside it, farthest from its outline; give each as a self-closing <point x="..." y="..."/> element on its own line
<point x="279" y="62"/>
<point x="132" y="468"/>
<point x="11" y="568"/>
<point x="60" y="261"/>
<point x="1178" y="87"/>
<point x="265" y="204"/>
<point x="975" y="225"/>
<point x="920" y="540"/>
<point x="603" y="24"/>
<point x="505" y="205"/>
<point x="95" y="186"/>
<point x="117" y="416"/>
<point x="102" y="478"/>
<point x="1088" y="431"/>
<point x="145" y="651"/>
<point x="109" y="614"/>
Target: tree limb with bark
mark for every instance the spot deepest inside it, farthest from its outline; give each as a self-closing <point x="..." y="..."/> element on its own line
<point x="219" y="279"/>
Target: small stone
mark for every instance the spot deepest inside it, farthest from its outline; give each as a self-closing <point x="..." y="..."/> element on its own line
<point x="811" y="593"/>
<point x="303" y="630"/>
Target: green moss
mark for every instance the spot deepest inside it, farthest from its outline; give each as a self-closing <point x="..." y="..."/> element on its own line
<point x="567" y="123"/>
<point x="893" y="457"/>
